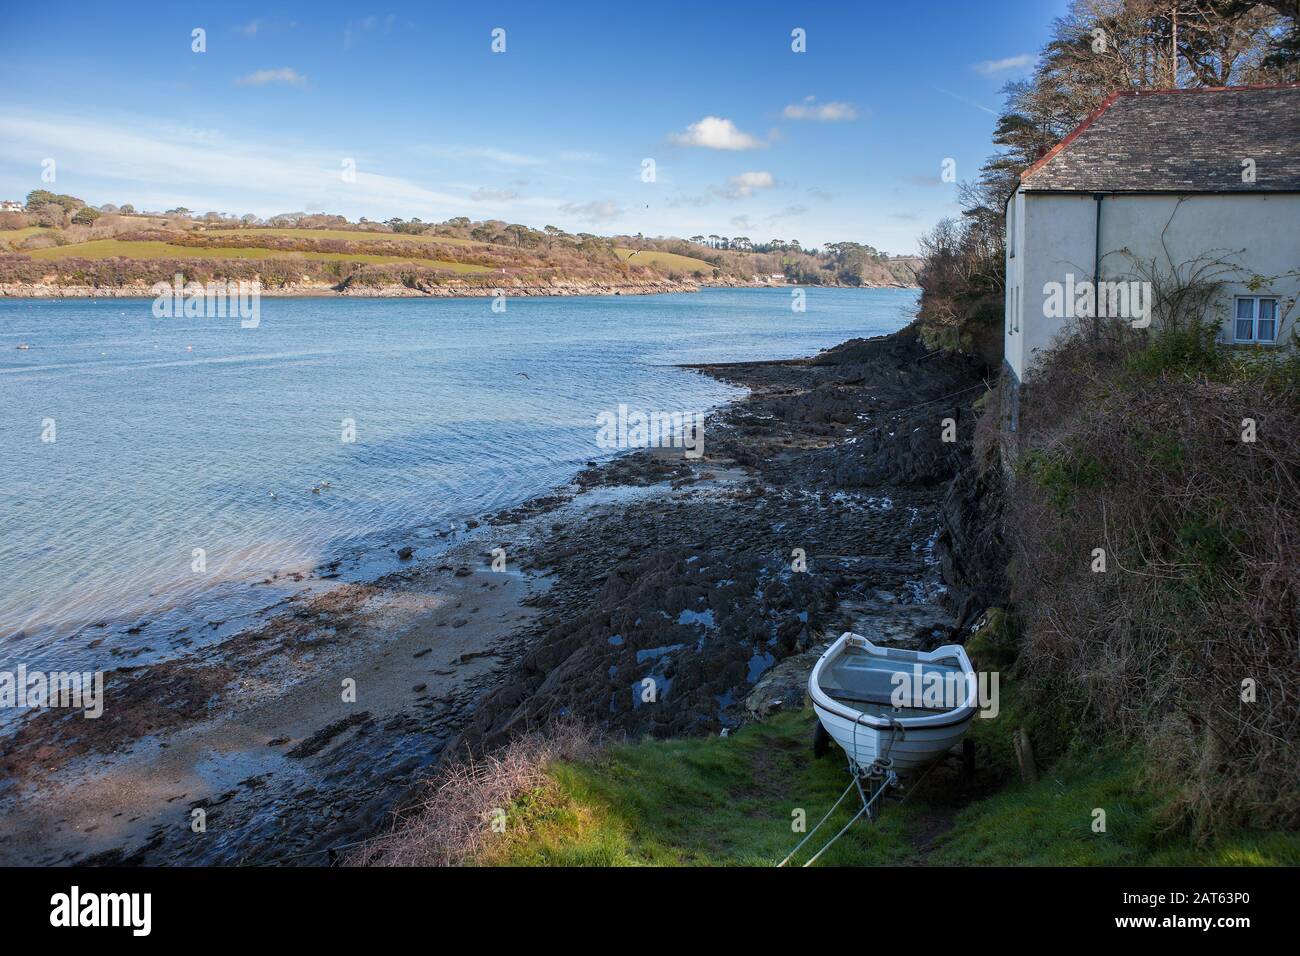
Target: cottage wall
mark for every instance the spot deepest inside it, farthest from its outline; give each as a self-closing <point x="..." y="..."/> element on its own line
<point x="1054" y="238"/>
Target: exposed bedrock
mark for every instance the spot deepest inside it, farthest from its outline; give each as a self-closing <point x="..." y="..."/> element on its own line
<point x="820" y="491"/>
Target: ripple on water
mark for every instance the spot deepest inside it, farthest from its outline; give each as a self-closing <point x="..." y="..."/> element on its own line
<point x="178" y="480"/>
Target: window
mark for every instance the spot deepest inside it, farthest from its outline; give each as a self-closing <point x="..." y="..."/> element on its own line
<point x="1011" y="228"/>
<point x="1254" y="319"/>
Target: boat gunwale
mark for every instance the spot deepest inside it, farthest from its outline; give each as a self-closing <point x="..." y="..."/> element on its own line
<point x="959" y="715"/>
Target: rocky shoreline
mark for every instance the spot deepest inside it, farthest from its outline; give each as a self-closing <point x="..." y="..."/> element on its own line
<point x="558" y="288"/>
<point x="324" y="289"/>
<point x="818" y="506"/>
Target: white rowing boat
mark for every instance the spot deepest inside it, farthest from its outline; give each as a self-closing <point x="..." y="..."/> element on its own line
<point x="902" y="708"/>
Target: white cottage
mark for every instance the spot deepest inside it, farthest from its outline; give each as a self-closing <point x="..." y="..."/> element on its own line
<point x="1174" y="177"/>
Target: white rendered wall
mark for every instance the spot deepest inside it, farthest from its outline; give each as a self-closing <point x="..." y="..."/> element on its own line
<point x="1258" y="234"/>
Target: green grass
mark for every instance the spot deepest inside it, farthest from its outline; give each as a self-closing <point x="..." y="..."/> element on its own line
<point x="11" y="237"/>
<point x="109" y="248"/>
<point x="714" y="801"/>
<point x="348" y="235"/>
<point x="728" y="801"/>
<point x="664" y="260"/>
<point x="1050" y="823"/>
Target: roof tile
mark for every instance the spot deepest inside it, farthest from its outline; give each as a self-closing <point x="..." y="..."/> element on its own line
<point x="1180" y="141"/>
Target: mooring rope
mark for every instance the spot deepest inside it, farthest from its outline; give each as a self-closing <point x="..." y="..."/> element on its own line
<point x="880" y="767"/>
<point x="886" y="782"/>
<point x="852" y="783"/>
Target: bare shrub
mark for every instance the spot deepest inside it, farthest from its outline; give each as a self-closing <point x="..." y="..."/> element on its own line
<point x="452" y="824"/>
<point x="1198" y="601"/>
<point x="37" y="241"/>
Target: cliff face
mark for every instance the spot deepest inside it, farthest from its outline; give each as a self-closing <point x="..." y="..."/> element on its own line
<point x="970" y="547"/>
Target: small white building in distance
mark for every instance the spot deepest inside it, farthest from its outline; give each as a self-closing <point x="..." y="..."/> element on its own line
<point x="8" y="205"/>
<point x="1201" y="183"/>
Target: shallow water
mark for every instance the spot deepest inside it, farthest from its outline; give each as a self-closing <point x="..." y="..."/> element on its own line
<point x="175" y="439"/>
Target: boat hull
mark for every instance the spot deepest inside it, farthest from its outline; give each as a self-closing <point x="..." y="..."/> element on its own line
<point x="910" y="749"/>
<point x="852" y="689"/>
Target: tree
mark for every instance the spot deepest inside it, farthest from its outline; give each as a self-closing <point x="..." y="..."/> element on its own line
<point x="43" y="197"/>
<point x="39" y="197"/>
<point x="50" y="214"/>
<point x="85" y="216"/>
<point x="1098" y="48"/>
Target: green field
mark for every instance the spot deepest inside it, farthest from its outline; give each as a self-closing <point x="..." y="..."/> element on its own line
<point x="348" y="235"/>
<point x="11" y="237"/>
<point x="729" y="801"/>
<point x="664" y="260"/>
<point x="110" y="248"/>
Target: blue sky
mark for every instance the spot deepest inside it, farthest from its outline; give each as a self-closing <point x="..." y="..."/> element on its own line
<point x="842" y="142"/>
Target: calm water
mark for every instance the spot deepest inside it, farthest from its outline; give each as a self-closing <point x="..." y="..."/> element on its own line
<point x="172" y="435"/>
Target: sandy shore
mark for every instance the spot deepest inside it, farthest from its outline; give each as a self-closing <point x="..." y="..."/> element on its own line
<point x="650" y="566"/>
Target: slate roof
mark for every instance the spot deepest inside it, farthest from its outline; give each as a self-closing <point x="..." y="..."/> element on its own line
<point x="1182" y="141"/>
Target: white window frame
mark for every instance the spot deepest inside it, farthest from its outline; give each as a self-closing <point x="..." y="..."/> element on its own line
<point x="1254" y="319"/>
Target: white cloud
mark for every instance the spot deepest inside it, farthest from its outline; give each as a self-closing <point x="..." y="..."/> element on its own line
<point x="162" y="166"/>
<point x="994" y="67"/>
<point x="744" y="185"/>
<point x="255" y="28"/>
<point x="285" y="74"/>
<point x="713" y="132"/>
<point x="366" y="25"/>
<point x="788" y="211"/>
<point x="809" y="109"/>
<point x="968" y="102"/>
<point x="474" y="153"/>
<point x="593" y="211"/>
<point x="486" y="194"/>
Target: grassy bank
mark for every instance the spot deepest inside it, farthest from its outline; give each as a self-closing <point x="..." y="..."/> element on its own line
<point x="729" y="801"/>
<point x="665" y="261"/>
<point x="112" y="248"/>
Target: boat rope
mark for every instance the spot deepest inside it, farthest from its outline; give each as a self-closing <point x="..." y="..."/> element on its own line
<point x="880" y="768"/>
<point x="882" y="762"/>
<point x="852" y="783"/>
<point x="889" y="780"/>
<point x="885" y="783"/>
